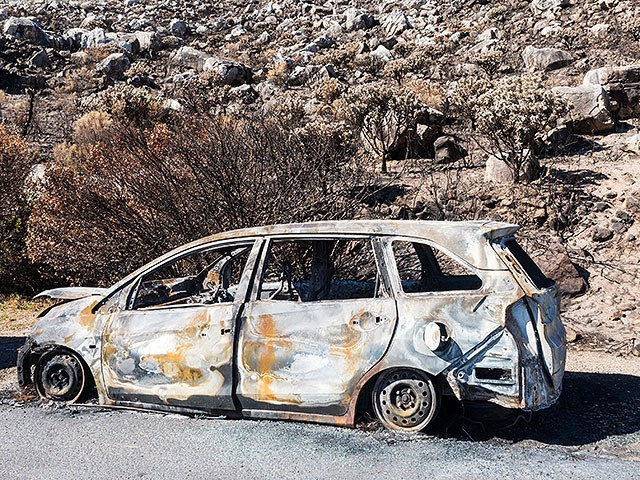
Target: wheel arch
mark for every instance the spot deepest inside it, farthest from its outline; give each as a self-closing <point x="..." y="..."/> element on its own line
<point x="363" y="403"/>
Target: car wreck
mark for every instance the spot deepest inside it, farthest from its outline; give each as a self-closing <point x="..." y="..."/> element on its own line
<point x="311" y="322"/>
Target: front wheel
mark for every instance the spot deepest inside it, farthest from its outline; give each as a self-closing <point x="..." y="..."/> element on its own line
<point x="405" y="399"/>
<point x="59" y="375"/>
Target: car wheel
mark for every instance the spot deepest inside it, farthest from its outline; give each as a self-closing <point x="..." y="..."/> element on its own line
<point x="59" y="375"/>
<point x="405" y="399"/>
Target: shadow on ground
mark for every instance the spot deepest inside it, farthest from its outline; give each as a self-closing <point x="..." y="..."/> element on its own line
<point x="593" y="406"/>
<point x="9" y="350"/>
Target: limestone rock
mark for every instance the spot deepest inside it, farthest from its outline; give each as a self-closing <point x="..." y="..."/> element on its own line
<point x="396" y="23"/>
<point x="114" y="65"/>
<point x="497" y="168"/>
<point x="622" y="84"/>
<point x="541" y="6"/>
<point x="178" y="27"/>
<point x="26" y="28"/>
<point x="189" y="57"/>
<point x="40" y="59"/>
<point x="357" y="20"/>
<point x="601" y="234"/>
<point x="556" y="264"/>
<point x="543" y="59"/>
<point x="229" y="71"/>
<point x="447" y="150"/>
<point x="93" y="38"/>
<point x="590" y="112"/>
<point x="632" y="144"/>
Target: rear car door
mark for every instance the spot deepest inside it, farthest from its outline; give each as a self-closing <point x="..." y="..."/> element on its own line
<point x="173" y="342"/>
<point x="434" y="285"/>
<point x="319" y="318"/>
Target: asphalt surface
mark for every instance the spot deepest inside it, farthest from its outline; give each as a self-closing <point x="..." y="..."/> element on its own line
<point x="77" y="443"/>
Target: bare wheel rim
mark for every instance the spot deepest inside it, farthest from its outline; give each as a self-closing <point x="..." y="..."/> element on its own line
<point x="405" y="400"/>
<point x="60" y="376"/>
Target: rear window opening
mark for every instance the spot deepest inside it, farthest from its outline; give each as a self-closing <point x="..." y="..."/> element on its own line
<point x="539" y="279"/>
<point x="424" y="268"/>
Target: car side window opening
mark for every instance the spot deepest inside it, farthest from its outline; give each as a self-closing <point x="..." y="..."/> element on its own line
<point x="315" y="270"/>
<point x="424" y="268"/>
<point x="205" y="277"/>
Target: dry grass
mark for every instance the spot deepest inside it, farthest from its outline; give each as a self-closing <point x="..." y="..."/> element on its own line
<point x="18" y="313"/>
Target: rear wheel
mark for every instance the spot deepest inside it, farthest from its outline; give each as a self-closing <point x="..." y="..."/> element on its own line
<point x="59" y="375"/>
<point x="405" y="399"/>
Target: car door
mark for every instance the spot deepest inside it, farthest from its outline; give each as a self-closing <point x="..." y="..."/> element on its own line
<point x="433" y="285"/>
<point x="319" y="318"/>
<point x="173" y="343"/>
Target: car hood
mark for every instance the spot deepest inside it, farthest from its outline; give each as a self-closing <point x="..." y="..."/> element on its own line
<point x="71" y="293"/>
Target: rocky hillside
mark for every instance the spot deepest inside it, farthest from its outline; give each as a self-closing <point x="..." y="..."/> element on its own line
<point x="515" y="110"/>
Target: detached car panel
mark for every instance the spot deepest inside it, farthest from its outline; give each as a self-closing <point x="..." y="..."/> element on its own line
<point x="311" y="322"/>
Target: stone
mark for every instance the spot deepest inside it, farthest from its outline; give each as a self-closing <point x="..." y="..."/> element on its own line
<point x="148" y="41"/>
<point x="229" y="71"/>
<point x="189" y="57"/>
<point x="264" y="38"/>
<point x="357" y="20"/>
<point x="245" y="93"/>
<point x="236" y="33"/>
<point x="624" y="216"/>
<point x="601" y="234"/>
<point x="382" y="53"/>
<point x="544" y="59"/>
<point x="600" y="30"/>
<point x="396" y="23"/>
<point x="114" y="65"/>
<point x="632" y="202"/>
<point x="93" y="38"/>
<point x="324" y="41"/>
<point x="555" y="263"/>
<point x="489" y="34"/>
<point x="601" y="206"/>
<point x="178" y="27"/>
<point x="618" y="227"/>
<point x="27" y="29"/>
<point x="541" y="6"/>
<point x="635" y="351"/>
<point x="40" y="59"/>
<point x="498" y="170"/>
<point x="622" y="84"/>
<point x="447" y="150"/>
<point x="590" y="112"/>
<point x="484" y="46"/>
<point x="571" y="335"/>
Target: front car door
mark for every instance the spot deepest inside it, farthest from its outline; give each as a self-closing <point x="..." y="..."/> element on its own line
<point x="172" y="344"/>
<point x="319" y="318"/>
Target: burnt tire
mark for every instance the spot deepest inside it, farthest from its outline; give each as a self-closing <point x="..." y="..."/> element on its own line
<point x="59" y="375"/>
<point x="405" y="400"/>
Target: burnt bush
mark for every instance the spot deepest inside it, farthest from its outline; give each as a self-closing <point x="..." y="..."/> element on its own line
<point x="16" y="160"/>
<point x="147" y="188"/>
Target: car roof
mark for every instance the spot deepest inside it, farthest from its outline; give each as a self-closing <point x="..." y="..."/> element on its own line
<point x="411" y="228"/>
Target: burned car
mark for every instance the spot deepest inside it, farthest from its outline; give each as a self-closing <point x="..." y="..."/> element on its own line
<point x="312" y="322"/>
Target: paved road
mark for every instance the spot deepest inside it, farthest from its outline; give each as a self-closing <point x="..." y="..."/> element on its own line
<point x="80" y="443"/>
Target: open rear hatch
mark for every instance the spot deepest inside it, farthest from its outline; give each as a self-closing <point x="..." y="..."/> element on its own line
<point x="543" y="305"/>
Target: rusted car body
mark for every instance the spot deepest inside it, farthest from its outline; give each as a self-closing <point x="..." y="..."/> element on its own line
<point x="304" y="321"/>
